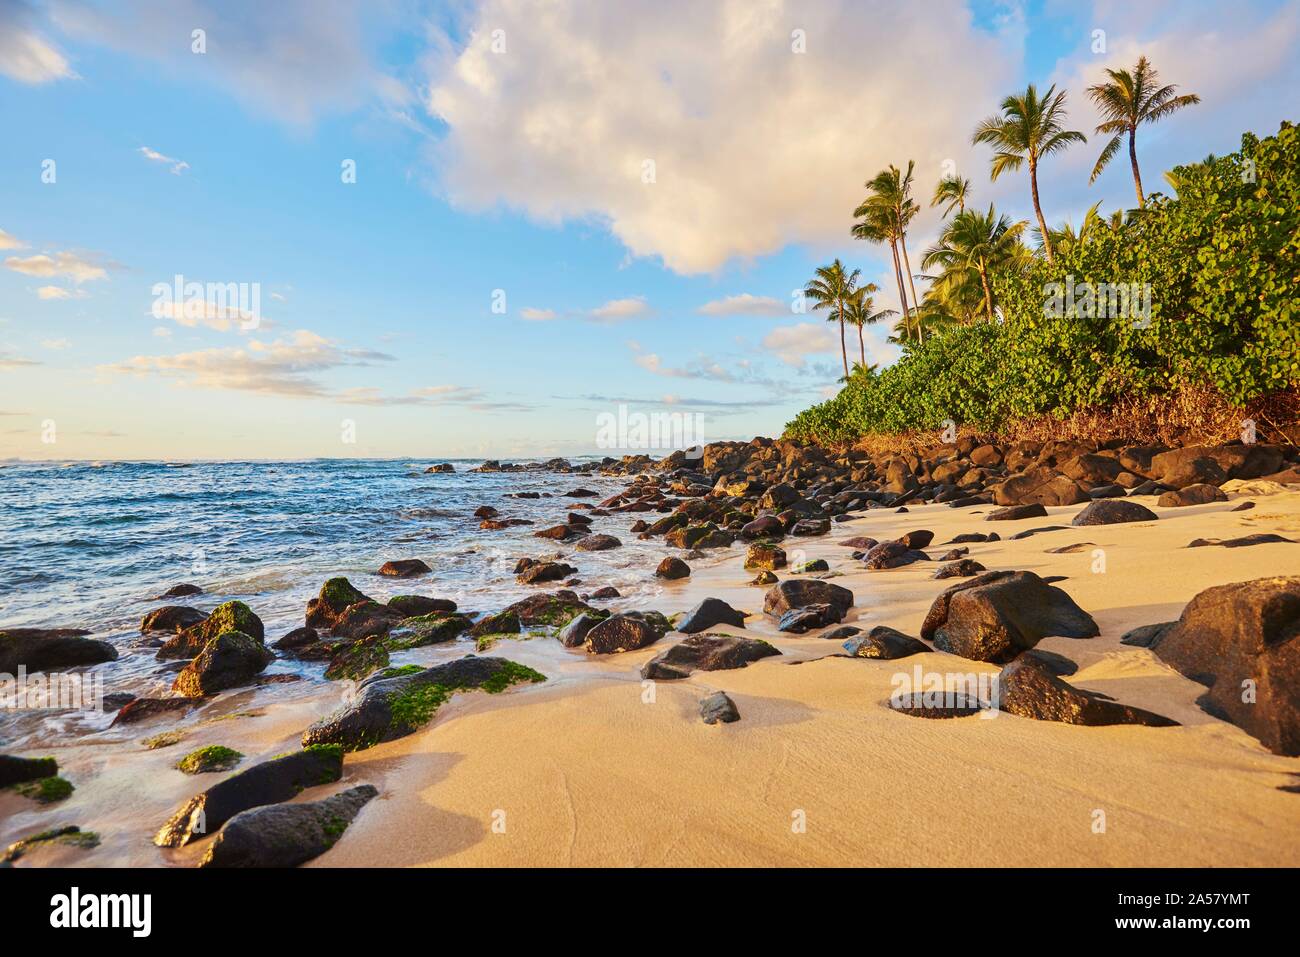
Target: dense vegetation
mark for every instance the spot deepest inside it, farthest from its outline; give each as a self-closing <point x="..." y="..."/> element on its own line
<point x="1006" y="332"/>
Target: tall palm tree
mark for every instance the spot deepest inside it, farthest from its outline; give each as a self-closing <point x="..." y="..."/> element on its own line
<point x="890" y="191"/>
<point x="978" y="243"/>
<point x="832" y="288"/>
<point x="1028" y="128"/>
<point x="951" y="191"/>
<point x="876" y="225"/>
<point x="1127" y="101"/>
<point x="861" y="311"/>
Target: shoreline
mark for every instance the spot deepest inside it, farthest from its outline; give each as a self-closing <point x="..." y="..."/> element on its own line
<point x="587" y="773"/>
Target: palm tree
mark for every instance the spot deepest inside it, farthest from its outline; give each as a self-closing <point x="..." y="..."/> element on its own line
<point x="890" y="194"/>
<point x="1064" y="237"/>
<point x="832" y="288"/>
<point x="1028" y="128"/>
<point x="861" y="311"/>
<point x="876" y="225"/>
<point x="952" y="191"/>
<point x="1126" y="102"/>
<point x="977" y="243"/>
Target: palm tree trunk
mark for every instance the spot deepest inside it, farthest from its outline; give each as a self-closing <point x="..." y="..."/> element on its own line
<point x="920" y="333"/>
<point x="862" y="349"/>
<point x="1133" y="159"/>
<point x="1038" y="209"/>
<point x="898" y="277"/>
<point x="844" y="349"/>
<point x="988" y="296"/>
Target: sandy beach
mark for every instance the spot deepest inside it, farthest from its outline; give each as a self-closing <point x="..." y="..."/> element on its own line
<point x="597" y="767"/>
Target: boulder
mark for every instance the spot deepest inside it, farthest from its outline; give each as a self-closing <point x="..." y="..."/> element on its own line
<point x="596" y="543"/>
<point x="1113" y="511"/>
<point x="574" y="634"/>
<point x="884" y="643"/>
<point x="336" y="595"/>
<point x="431" y="630"/>
<point x="410" y="606"/>
<point x="1013" y="513"/>
<point x="183" y="590"/>
<point x="893" y="555"/>
<point x="390" y="707"/>
<point x="705" y="653"/>
<point x="765" y="526"/>
<point x="1243" y="642"/>
<point x="917" y="539"/>
<point x="619" y="633"/>
<point x="672" y="569"/>
<point x="50" y="649"/>
<point x="556" y="609"/>
<point x="503" y="623"/>
<point x="172" y="618"/>
<point x="1198" y="494"/>
<point x="1041" y="485"/>
<point x="1258" y="538"/>
<point x="227" y="661"/>
<point x="366" y="619"/>
<point x="802" y="592"/>
<point x="710" y="612"/>
<point x="767" y="556"/>
<point x="269" y="782"/>
<point x="717" y="707"/>
<point x="286" y="835"/>
<point x="1028" y="688"/>
<point x="16" y="770"/>
<point x="797" y="621"/>
<point x="538" y="572"/>
<point x="997" y="615"/>
<point x="404" y="568"/>
<point x="961" y="568"/>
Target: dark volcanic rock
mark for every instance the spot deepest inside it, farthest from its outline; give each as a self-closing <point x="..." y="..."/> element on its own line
<point x="538" y="572"/>
<point x="404" y="568"/>
<point x="717" y="707"/>
<point x="183" y="590"/>
<point x="917" y="539"/>
<point x="811" y="526"/>
<point x="173" y="618"/>
<point x="799" y="620"/>
<point x="596" y="543"/>
<point x="999" y="614"/>
<point x="767" y="556"/>
<point x="619" y="633"/>
<point x="765" y="526"/>
<point x="710" y="612"/>
<point x="1259" y="538"/>
<point x="1015" y="512"/>
<point x="1042" y="485"/>
<point x="227" y="661"/>
<point x="230" y="616"/>
<point x="673" y="568"/>
<point x="16" y="770"/>
<point x="962" y="568"/>
<point x="706" y="653"/>
<point x="1029" y="689"/>
<point x="410" y="606"/>
<point x="286" y="835"/>
<point x="335" y="597"/>
<point x="366" y="619"/>
<point x="556" y="609"/>
<point x="432" y="629"/>
<point x="1243" y="642"/>
<point x="860" y="542"/>
<point x="388" y="708"/>
<point x="802" y="592"/>
<point x="893" y="555"/>
<point x="502" y="623"/>
<point x="1143" y="635"/>
<point x="574" y="634"/>
<point x="267" y="783"/>
<point x="1192" y="495"/>
<point x="142" y="709"/>
<point x="1113" y="511"/>
<point x="49" y="649"/>
<point x="884" y="643"/>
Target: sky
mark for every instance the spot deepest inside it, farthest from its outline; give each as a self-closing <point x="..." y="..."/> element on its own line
<point x="478" y="229"/>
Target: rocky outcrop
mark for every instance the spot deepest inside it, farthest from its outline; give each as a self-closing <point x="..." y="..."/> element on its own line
<point x="672" y="569"/>
<point x="1113" y="511"/>
<point x="597" y="543"/>
<point x="404" y="568"/>
<point x="230" y="616"/>
<point x="336" y="596"/>
<point x="1028" y="688"/>
<point x="16" y="770"/>
<point x="803" y="592"/>
<point x="625" y="632"/>
<point x="1199" y="494"/>
<point x="997" y="615"/>
<point x="884" y="643"/>
<point x="410" y="606"/>
<point x="707" y="614"/>
<point x="171" y="618"/>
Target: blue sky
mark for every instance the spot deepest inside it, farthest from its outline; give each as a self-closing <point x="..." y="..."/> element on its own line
<point x="516" y="168"/>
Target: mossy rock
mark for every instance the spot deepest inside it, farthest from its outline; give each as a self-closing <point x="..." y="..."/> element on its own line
<point x="232" y="616"/>
<point x="45" y="790"/>
<point x="214" y="757"/>
<point x="71" y="836"/>
<point x="395" y="707"/>
<point x="426" y="630"/>
<point x="396" y="672"/>
<point x="164" y="739"/>
<point x="358" y="660"/>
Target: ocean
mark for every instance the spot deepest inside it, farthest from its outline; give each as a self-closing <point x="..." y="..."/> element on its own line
<point x="90" y="545"/>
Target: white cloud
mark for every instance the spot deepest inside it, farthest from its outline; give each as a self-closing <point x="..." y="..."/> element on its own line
<point x="58" y="292"/>
<point x="67" y="264"/>
<point x="282" y="367"/>
<point x="177" y="166"/>
<point x="8" y="241"/>
<point x="294" y="59"/>
<point x="9" y="361"/>
<point x="193" y="313"/>
<point x="616" y="310"/>
<point x="25" y="55"/>
<point x="745" y="304"/>
<point x="162" y="332"/>
<point x="754" y="146"/>
<point x="793" y="344"/>
<point x="55" y="344"/>
<point x="537" y="315"/>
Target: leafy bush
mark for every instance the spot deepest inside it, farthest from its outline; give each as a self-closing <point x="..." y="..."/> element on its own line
<point x="1221" y="265"/>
